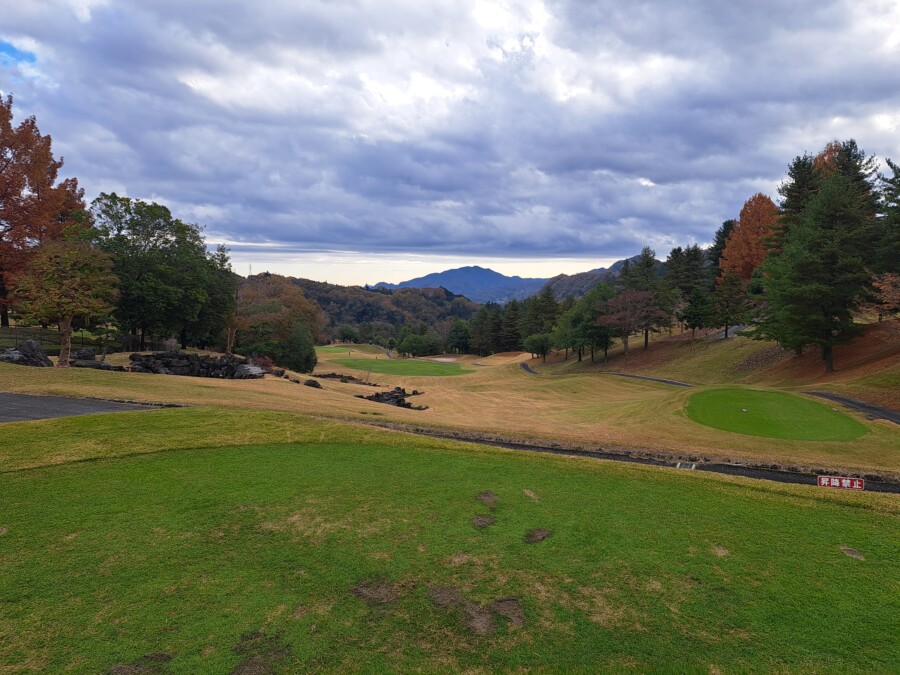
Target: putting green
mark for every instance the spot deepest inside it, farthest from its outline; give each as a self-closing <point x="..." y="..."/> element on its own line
<point x="771" y="414"/>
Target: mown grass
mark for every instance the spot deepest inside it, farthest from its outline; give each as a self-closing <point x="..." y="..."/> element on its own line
<point x="497" y="400"/>
<point x="771" y="414"/>
<point x="186" y="551"/>
<point x="409" y="367"/>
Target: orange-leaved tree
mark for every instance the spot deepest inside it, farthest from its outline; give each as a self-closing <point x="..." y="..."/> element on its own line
<point x="745" y="249"/>
<point x="33" y="207"/>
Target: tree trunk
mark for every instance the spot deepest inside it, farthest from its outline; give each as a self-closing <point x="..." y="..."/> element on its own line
<point x="828" y="358"/>
<point x="65" y="341"/>
<point x="726" y="331"/>
<point x="184" y="338"/>
<point x="592" y="353"/>
<point x="567" y="354"/>
<point x="605" y="354"/>
<point x="579" y="354"/>
<point x="4" y="310"/>
<point x="230" y="335"/>
<point x="625" y="345"/>
<point x="646" y="338"/>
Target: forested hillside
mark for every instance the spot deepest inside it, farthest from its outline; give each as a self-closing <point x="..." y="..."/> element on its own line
<point x="376" y="313"/>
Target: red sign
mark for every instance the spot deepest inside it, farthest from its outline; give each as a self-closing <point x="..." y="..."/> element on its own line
<point x="842" y="482"/>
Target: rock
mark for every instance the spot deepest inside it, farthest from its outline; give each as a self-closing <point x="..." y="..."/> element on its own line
<point x="278" y="372"/>
<point x="313" y="383"/>
<point x="248" y="372"/>
<point x="395" y="397"/>
<point x="28" y="353"/>
<point x="96" y="365"/>
<point x="83" y="354"/>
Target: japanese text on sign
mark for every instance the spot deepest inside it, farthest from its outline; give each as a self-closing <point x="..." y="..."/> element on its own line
<point x="842" y="482"/>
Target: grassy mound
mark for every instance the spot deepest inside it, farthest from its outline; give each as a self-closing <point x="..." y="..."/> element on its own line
<point x="410" y="367"/>
<point x="772" y="415"/>
<point x="362" y="553"/>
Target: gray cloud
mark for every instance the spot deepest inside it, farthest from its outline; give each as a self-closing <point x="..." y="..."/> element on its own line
<point x="531" y="129"/>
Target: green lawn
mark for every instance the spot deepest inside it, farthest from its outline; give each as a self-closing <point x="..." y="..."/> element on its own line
<point x="249" y="555"/>
<point x="334" y="350"/>
<point x="411" y="367"/>
<point x="771" y="414"/>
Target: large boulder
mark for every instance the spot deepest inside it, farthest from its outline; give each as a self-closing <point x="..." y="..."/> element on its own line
<point x="247" y="372"/>
<point x="28" y="353"/>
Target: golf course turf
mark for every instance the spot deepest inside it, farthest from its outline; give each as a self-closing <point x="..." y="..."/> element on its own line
<point x="360" y="552"/>
<point x="771" y="414"/>
<point x="409" y="367"/>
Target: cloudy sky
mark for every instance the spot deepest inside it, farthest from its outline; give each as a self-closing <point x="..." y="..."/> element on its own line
<point x="373" y="140"/>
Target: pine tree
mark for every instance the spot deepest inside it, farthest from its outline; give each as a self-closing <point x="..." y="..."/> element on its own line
<point x="715" y="251"/>
<point x="820" y="278"/>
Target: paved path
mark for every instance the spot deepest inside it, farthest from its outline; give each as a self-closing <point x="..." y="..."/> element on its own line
<point x="870" y="409"/>
<point x="675" y="383"/>
<point x="23" y="407"/>
<point x="732" y="331"/>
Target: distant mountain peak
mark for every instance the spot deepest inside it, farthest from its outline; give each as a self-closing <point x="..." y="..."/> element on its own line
<point x="480" y="284"/>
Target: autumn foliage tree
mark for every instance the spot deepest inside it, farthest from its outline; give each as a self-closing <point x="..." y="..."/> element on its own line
<point x="275" y="319"/>
<point x="66" y="278"/>
<point x="34" y="207"/>
<point x="745" y="249"/>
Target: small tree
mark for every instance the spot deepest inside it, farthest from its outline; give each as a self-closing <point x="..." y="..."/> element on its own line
<point x="539" y="344"/>
<point x="730" y="302"/>
<point x="699" y="311"/>
<point x="65" y="279"/>
<point x="458" y="340"/>
<point x="347" y="333"/>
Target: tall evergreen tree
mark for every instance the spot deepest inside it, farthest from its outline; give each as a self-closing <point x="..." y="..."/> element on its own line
<point x="715" y="251"/>
<point x="820" y="278"/>
<point x="510" y="331"/>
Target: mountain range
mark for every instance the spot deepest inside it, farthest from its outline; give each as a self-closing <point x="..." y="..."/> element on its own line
<point x="476" y="283"/>
<point x="485" y="285"/>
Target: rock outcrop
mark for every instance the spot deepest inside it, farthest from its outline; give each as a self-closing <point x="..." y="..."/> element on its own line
<point x="397" y="396"/>
<point x="28" y="353"/>
<point x="193" y="365"/>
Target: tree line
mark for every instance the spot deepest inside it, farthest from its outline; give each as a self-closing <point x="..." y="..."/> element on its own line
<point x="130" y="266"/>
<point x="800" y="273"/>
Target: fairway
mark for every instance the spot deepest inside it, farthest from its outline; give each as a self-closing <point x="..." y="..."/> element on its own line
<point x="410" y="367"/>
<point x="362" y="554"/>
<point x="772" y="415"/>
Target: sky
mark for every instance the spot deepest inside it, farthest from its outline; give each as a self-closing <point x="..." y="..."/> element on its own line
<point x="378" y="140"/>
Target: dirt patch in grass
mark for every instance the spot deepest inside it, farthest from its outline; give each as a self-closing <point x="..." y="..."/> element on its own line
<point x="528" y="493"/>
<point x="374" y="592"/>
<point x="719" y="551"/>
<point x="852" y="552"/>
<point x="149" y="664"/>
<point x="445" y="596"/>
<point x="488" y="498"/>
<point x="3" y="530"/>
<point x="480" y="620"/>
<point x="536" y="535"/>
<point x="263" y="654"/>
<point x="481" y="522"/>
<point x="511" y="608"/>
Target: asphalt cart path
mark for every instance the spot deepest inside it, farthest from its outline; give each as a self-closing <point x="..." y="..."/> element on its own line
<point x="25" y="407"/>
